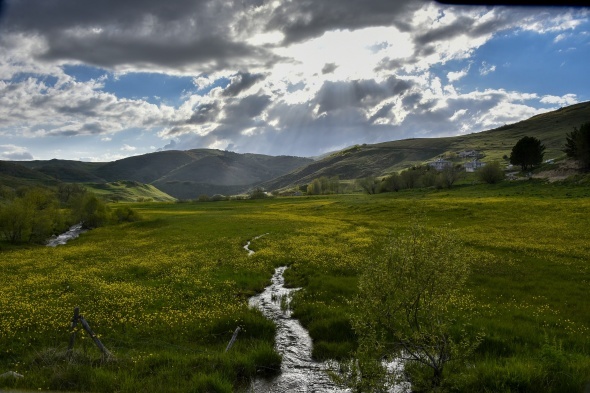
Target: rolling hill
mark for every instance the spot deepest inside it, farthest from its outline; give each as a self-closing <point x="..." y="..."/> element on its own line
<point x="181" y="174"/>
<point x="384" y="158"/>
<point x="188" y="174"/>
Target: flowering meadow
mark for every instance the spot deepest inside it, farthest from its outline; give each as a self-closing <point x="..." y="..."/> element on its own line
<point x="165" y="294"/>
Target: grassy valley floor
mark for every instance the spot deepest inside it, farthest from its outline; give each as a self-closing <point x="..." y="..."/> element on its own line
<point x="166" y="293"/>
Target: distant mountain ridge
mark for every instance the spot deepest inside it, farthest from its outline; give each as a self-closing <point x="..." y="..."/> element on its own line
<point x="188" y="174"/>
<point x="182" y="174"/>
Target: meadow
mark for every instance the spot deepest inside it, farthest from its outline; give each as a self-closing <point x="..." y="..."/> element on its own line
<point x="165" y="294"/>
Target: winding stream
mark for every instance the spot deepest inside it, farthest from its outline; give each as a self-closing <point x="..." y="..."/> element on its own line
<point x="72" y="233"/>
<point x="299" y="372"/>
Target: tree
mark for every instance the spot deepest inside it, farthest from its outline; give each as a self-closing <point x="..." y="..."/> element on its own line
<point x="577" y="144"/>
<point x="491" y="173"/>
<point x="527" y="152"/>
<point x="410" y="178"/>
<point x="67" y="192"/>
<point x="15" y="221"/>
<point x="315" y="187"/>
<point x="32" y="217"/>
<point x="391" y="183"/>
<point x="91" y="211"/>
<point x="368" y="184"/>
<point x="448" y="176"/>
<point x="406" y="309"/>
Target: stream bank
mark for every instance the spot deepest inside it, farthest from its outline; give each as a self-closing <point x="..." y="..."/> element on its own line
<point x="299" y="372"/>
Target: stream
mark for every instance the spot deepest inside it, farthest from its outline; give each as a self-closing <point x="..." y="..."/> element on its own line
<point x="72" y="233"/>
<point x="299" y="372"/>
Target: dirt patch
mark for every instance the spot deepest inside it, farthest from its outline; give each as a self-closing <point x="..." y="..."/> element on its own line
<point x="562" y="171"/>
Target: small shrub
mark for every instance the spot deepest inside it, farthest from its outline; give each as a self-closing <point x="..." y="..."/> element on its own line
<point x="258" y="193"/>
<point x="491" y="173"/>
<point x="126" y="214"/>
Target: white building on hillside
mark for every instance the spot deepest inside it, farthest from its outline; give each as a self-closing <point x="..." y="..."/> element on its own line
<point x="440" y="164"/>
<point x="472" y="166"/>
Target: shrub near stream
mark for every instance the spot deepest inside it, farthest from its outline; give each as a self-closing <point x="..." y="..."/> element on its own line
<point x="165" y="293"/>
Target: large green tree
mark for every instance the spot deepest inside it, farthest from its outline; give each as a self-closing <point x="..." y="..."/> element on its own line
<point x="527" y="152"/>
<point x="577" y="144"/>
<point x="32" y="217"/>
<point x="406" y="309"/>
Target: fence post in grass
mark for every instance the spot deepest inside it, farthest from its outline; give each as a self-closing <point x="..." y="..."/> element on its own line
<point x="86" y="327"/>
<point x="233" y="339"/>
<point x="73" y="331"/>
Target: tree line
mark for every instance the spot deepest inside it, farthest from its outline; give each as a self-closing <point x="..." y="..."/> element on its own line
<point x="34" y="214"/>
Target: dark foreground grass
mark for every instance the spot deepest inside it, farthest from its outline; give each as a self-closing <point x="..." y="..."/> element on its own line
<point x="165" y="294"/>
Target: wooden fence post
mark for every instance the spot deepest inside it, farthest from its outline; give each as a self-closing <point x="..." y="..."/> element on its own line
<point x="233" y="339"/>
<point x="86" y="327"/>
<point x="73" y="331"/>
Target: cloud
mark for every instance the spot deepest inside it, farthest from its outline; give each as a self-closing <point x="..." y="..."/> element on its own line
<point x="305" y="19"/>
<point x="560" y="37"/>
<point x="240" y="82"/>
<point x="14" y="153"/>
<point x="568" y="99"/>
<point x="486" y="68"/>
<point x="454" y="76"/>
<point x="126" y="147"/>
<point x="149" y="35"/>
<point x="304" y="76"/>
<point x="70" y="109"/>
<point x="329" y="68"/>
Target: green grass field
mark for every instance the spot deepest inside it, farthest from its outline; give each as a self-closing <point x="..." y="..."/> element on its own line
<point x="165" y="294"/>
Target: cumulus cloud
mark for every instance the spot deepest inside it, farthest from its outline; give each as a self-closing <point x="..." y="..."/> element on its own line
<point x="301" y="20"/>
<point x="287" y="77"/>
<point x="70" y="109"/>
<point x="454" y="76"/>
<point x="568" y="99"/>
<point x="14" y="153"/>
<point x="486" y="68"/>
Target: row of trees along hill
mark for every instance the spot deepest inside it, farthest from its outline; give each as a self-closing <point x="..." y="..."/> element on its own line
<point x="528" y="152"/>
<point x="32" y="215"/>
<point x="415" y="177"/>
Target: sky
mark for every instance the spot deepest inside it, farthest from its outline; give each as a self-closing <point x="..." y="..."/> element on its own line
<point x="103" y="80"/>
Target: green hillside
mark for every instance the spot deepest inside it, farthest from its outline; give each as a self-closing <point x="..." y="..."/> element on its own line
<point x="188" y="174"/>
<point x="224" y="173"/>
<point x="14" y="176"/>
<point x="128" y="191"/>
<point x="383" y="158"/>
<point x="67" y="171"/>
<point x="182" y="174"/>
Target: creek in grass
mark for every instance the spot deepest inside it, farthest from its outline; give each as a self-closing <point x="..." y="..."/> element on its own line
<point x="299" y="372"/>
<point x="72" y="233"/>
